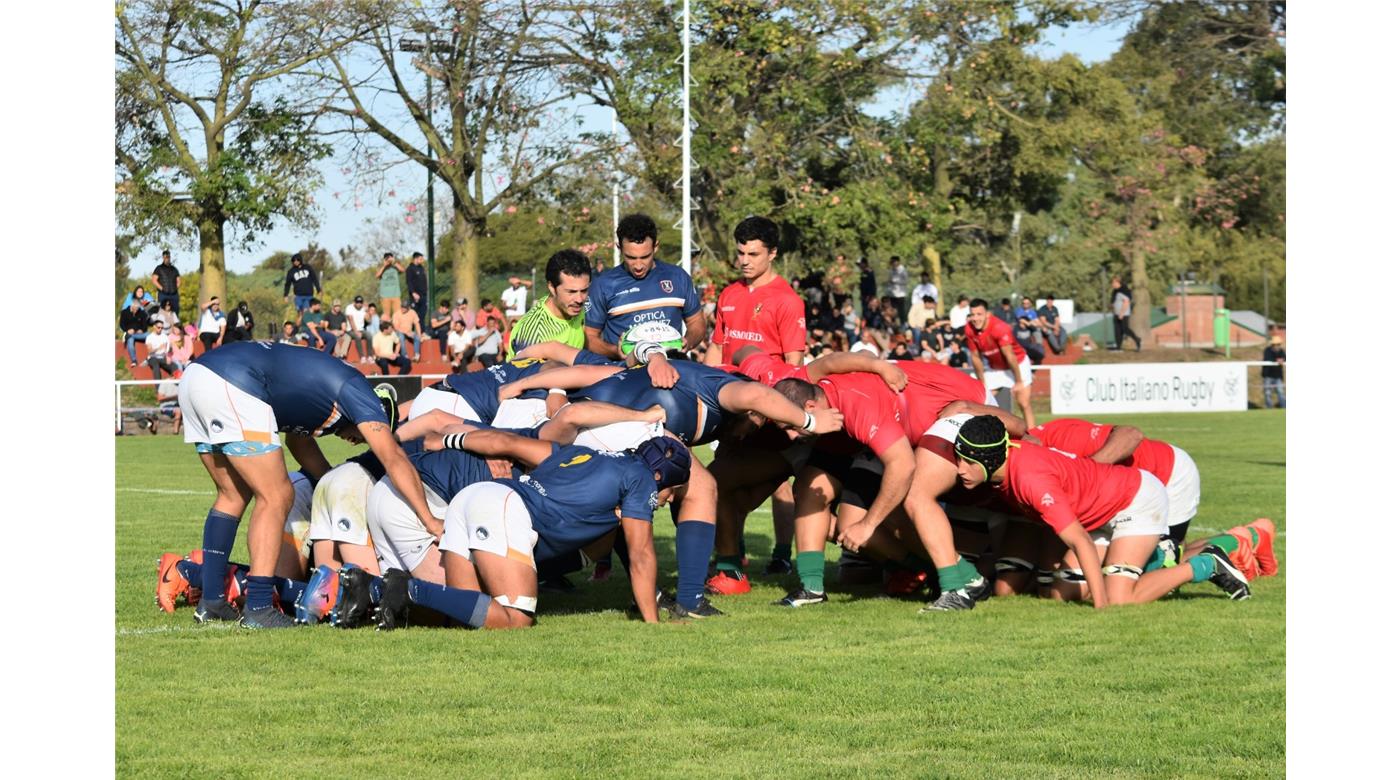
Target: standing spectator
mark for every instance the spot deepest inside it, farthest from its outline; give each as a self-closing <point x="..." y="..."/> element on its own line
<point x="166" y="278"/>
<point x="850" y="322"/>
<point x="355" y="315"/>
<point x="1050" y="326"/>
<point x="158" y="350"/>
<point x="389" y="291"/>
<point x="488" y="344"/>
<point x="410" y="329"/>
<point x="957" y="316"/>
<point x="313" y="327"/>
<point x="460" y="348"/>
<point x="867" y="286"/>
<point x="169" y="316"/>
<point x="302" y="281"/>
<point x="386" y="350"/>
<point x="440" y="327"/>
<point x="1005" y="312"/>
<point x="181" y="349"/>
<point x="1122" y="309"/>
<point x="168" y="397"/>
<point x="212" y="323"/>
<point x="515" y="299"/>
<point x="922" y="311"/>
<point x="240" y="326"/>
<point x="641" y="289"/>
<point x="135" y="322"/>
<point x="417" y="279"/>
<point x="337" y="330"/>
<point x="899" y="288"/>
<point x="925" y="287"/>
<point x="1272" y="374"/>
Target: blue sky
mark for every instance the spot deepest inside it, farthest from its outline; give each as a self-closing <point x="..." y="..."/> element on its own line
<point x="346" y="213"/>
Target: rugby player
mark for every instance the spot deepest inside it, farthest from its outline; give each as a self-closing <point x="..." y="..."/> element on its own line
<point x="559" y="315"/>
<point x="997" y="358"/>
<point x="641" y="289"/>
<point x="235" y="400"/>
<point x="1089" y="504"/>
<point x="496" y="530"/>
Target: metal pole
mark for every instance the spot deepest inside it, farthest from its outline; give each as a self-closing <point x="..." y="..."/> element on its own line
<point x="685" y="136"/>
<point x="1266" y="300"/>
<point x="1185" y="339"/>
<point x="617" y="245"/>
<point x="432" y="252"/>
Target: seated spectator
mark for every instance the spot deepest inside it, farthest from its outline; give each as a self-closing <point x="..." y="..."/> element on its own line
<point x="135" y="322"/>
<point x="168" y="315"/>
<point x="868" y="343"/>
<point x="181" y="349"/>
<point x="212" y="323"/>
<point x="1026" y="329"/>
<point x="355" y="318"/>
<point x="158" y="350"/>
<point x="921" y="311"/>
<point x="440" y="326"/>
<point x="313" y="327"/>
<point x="1050" y="328"/>
<point x="460" y="348"/>
<point x="488" y="311"/>
<point x="337" y="330"/>
<point x="139" y="294"/>
<point x="240" y="325"/>
<point x="168" y="397"/>
<point x="387" y="350"/>
<point x="464" y="313"/>
<point x="957" y="316"/>
<point x="900" y="352"/>
<point x="291" y="336"/>
<point x="410" y="330"/>
<point x="1005" y="313"/>
<point x="371" y="323"/>
<point x="488" y="344"/>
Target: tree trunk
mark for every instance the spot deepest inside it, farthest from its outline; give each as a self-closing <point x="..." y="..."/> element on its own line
<point x="463" y="247"/>
<point x="211" y="258"/>
<point x="1141" y="318"/>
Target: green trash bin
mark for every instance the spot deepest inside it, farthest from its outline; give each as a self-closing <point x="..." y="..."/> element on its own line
<point x="1222" y="330"/>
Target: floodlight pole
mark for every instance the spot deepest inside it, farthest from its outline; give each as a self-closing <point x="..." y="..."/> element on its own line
<point x="427" y="46"/>
<point x="684" y="223"/>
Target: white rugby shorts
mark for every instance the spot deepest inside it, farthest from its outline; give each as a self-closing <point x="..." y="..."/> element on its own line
<point x="520" y="413"/>
<point x="429" y="399"/>
<point x="1145" y="515"/>
<point x="400" y="540"/>
<point x="295" y="530"/>
<point x="338" y="507"/>
<point x="1183" y="488"/>
<point x="618" y="437"/>
<point x="217" y="412"/>
<point x="995" y="379"/>
<point x="490" y="517"/>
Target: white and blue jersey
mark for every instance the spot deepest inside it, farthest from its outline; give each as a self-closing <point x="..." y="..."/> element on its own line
<point x="617" y="300"/>
<point x="693" y="410"/>
<point x="309" y="391"/>
<point x="448" y="471"/>
<point x="572" y="494"/>
<point x="479" y="388"/>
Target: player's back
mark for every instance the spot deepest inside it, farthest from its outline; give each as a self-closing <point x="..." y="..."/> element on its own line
<point x="1036" y="475"/>
<point x="307" y="389"/>
<point x="1085" y="438"/>
<point x="446" y="472"/>
<point x="573" y="493"/>
<point x="480" y="388"/>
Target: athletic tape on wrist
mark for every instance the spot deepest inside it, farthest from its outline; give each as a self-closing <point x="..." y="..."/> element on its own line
<point x="810" y="424"/>
<point x="645" y="349"/>
<point x="453" y="441"/>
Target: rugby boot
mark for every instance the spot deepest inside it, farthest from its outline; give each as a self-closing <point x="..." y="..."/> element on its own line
<point x="724" y="583"/>
<point x="170" y="583"/>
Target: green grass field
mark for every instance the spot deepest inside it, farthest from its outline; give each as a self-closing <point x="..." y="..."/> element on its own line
<point x="1192" y="686"/>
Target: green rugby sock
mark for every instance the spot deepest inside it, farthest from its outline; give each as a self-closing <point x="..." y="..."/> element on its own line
<point x="1226" y="542"/>
<point x="950" y="578"/>
<point x="730" y="563"/>
<point x="810" y="568"/>
<point x="1202" y="566"/>
<point x="968" y="571"/>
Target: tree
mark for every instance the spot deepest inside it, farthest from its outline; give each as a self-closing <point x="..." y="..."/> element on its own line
<point x="499" y="69"/>
<point x="205" y="141"/>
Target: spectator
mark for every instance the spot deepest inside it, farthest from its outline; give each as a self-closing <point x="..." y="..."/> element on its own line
<point x="957" y="316"/>
<point x="488" y="311"/>
<point x="1027" y="329"/>
<point x="868" y="343"/>
<point x="417" y="279"/>
<point x="899" y="288"/>
<point x="355" y="315"/>
<point x="463" y="312"/>
<point x="1050" y="327"/>
<point x="389" y="292"/>
<point x="1122" y="310"/>
<point x="181" y="349"/>
<point x="303" y="282"/>
<point x="488" y="344"/>
<point x="875" y="315"/>
<point x="240" y="324"/>
<point x="139" y="294"/>
<point x="410" y="329"/>
<point x="900" y="352"/>
<point x="168" y="397"/>
<point x="850" y="323"/>
<point x="166" y="278"/>
<point x="867" y="286"/>
<point x="1005" y="313"/>
<point x="460" y="348"/>
<point x="1272" y="374"/>
<point x="212" y="323"/>
<point x="313" y="326"/>
<point x="371" y="323"/>
<point x="338" y="330"/>
<point x="440" y="327"/>
<point x="169" y="316"/>
<point x="135" y="322"/>
<point x="922" y="311"/>
<point x="158" y="350"/>
<point x="386" y="350"/>
<point x="925" y="287"/>
<point x="515" y="299"/>
<point x="290" y="335"/>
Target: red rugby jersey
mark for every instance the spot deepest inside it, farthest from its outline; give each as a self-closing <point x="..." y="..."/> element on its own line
<point x="1060" y="488"/>
<point x="1084" y="438"/>
<point x="989" y="341"/>
<point x="771" y="317"/>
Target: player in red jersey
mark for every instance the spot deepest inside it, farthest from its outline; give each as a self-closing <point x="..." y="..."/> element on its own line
<point x="761" y="309"/>
<point x="1077" y="497"/>
<point x="997" y="358"/>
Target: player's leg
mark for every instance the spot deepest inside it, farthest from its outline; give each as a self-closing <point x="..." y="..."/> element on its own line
<point x="744" y="478"/>
<point x="265" y="474"/>
<point x="1016" y="562"/>
<point x="487" y="541"/>
<point x="695" y="512"/>
<point x="814" y="491"/>
<point x="220" y="530"/>
<point x="784" y="525"/>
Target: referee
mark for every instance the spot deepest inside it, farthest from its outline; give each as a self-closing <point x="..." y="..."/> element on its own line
<point x="558" y="316"/>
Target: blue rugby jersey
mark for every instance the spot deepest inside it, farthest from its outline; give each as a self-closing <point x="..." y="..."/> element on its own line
<point x="448" y="471"/>
<point x="479" y="388"/>
<point x="572" y="494"/>
<point x="308" y="390"/>
<point x="693" y="411"/>
<point x="617" y="300"/>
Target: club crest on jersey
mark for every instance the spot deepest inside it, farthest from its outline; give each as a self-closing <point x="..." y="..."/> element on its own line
<point x="1047" y="500"/>
<point x="574" y="461"/>
<point x="482" y="533"/>
<point x="667" y="286"/>
<point x="216" y="426"/>
<point x="757" y="307"/>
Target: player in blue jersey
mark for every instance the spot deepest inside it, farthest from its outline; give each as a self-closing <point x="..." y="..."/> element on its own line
<point x="572" y="496"/>
<point x="474" y="396"/>
<point x="235" y="400"/>
<point x="641" y="289"/>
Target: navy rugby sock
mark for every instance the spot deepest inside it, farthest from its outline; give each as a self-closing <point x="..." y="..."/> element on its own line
<point x="376" y="589"/>
<point x="259" y="593"/>
<point x="289" y="590"/>
<point x="464" y="606"/>
<point x="219" y="531"/>
<point x="695" y="540"/>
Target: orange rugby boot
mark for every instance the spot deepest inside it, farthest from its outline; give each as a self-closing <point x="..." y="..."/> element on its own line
<point x="170" y="584"/>
<point x="1264" y="551"/>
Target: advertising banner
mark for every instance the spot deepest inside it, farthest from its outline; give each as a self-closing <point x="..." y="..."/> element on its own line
<point x="1148" y="387"/>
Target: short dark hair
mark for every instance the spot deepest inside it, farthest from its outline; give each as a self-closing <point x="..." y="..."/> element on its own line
<point x="296" y="258"/>
<point x="1005" y="301"/>
<point x="977" y="302"/>
<point x="567" y="261"/>
<point x="387" y="255"/>
<point x="962" y="298"/>
<point x="757" y="228"/>
<point x="636" y="228"/>
<point x="797" y="391"/>
<point x="444" y="304"/>
<point x="416" y="254"/>
<point x="165" y="253"/>
<point x="315" y="302"/>
<point x="289" y="322"/>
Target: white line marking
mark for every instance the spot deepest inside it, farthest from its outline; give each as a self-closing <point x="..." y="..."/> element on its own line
<point x="171" y="630"/>
<point x="1215" y="531"/>
<point x="163" y="491"/>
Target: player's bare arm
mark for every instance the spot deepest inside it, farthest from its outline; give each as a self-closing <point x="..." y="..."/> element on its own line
<point x="491" y="443"/>
<point x="898" y="460"/>
<point x="593" y="340"/>
<point x="565" y="426"/>
<point x="753" y="397"/>
<point x="933" y="476"/>
<point x="857" y="362"/>
<point x="1082" y="545"/>
<point x="695" y="329"/>
<point x="567" y="378"/>
<point x="1010" y="356"/>
<point x="308" y="455"/>
<point x="793" y="358"/>
<point x="434" y="423"/>
<point x="549" y="350"/>
<point x="977" y="365"/>
<point x="714" y="356"/>
<point x="1119" y="445"/>
<point x="641" y="566"/>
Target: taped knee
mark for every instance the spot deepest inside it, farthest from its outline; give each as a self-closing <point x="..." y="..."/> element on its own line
<point x="524" y="604"/>
<point x="1014" y="566"/>
<point x="1122" y="570"/>
<point x="1044" y="577"/>
<point x="1070" y="575"/>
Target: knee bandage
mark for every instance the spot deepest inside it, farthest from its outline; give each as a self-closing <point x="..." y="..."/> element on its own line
<point x="1014" y="566"/>
<point x="1122" y="570"/>
<point x="1044" y="577"/>
<point x="524" y="604"/>
<point x="1070" y="575"/>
